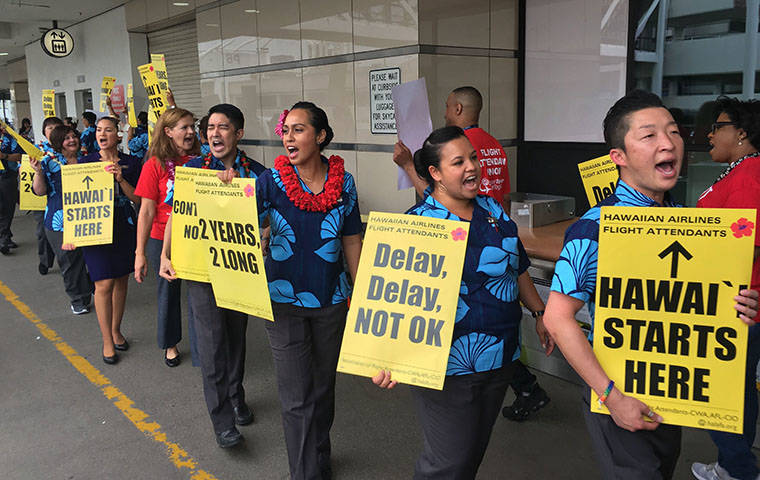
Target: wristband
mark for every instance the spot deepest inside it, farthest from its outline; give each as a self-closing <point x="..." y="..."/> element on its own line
<point x="603" y="396"/>
<point x="537" y="313"/>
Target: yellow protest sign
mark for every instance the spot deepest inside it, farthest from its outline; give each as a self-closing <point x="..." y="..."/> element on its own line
<point x="131" y="116"/>
<point x="233" y="252"/>
<point x="159" y="65"/>
<point x="156" y="97"/>
<point x="189" y="231"/>
<point x="25" y="144"/>
<point x="105" y="91"/>
<point x="88" y="199"/>
<point x="405" y="298"/>
<point x="27" y="199"/>
<point x="665" y="329"/>
<point x="48" y="103"/>
<point x="599" y="177"/>
<point x="152" y="120"/>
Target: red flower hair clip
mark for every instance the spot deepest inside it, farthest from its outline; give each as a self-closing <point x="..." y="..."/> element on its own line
<point x="281" y="122"/>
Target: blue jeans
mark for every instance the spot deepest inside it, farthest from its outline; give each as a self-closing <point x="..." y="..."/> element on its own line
<point x="735" y="451"/>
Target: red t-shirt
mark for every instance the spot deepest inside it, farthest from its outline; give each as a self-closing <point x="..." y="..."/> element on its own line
<point x="154" y="184"/>
<point x="738" y="189"/>
<point x="494" y="175"/>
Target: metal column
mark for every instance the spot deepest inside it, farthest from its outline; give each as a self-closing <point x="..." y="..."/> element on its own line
<point x="662" y="23"/>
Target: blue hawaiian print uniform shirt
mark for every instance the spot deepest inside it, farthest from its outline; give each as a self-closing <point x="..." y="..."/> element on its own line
<point x="255" y="167"/>
<point x="487" y="328"/>
<point x="575" y="271"/>
<point x="305" y="266"/>
<point x="130" y="171"/>
<point x="10" y="146"/>
<point x="138" y="146"/>
<point x="51" y="166"/>
<point x="87" y="139"/>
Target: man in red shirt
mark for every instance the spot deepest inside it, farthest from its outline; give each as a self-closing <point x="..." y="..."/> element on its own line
<point x="463" y="107"/>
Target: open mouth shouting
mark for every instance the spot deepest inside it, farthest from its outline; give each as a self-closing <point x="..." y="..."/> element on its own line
<point x="667" y="168"/>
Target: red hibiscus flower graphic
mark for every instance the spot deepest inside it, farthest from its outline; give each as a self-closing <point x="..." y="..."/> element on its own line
<point x="249" y="191"/>
<point x="459" y="234"/>
<point x="742" y="227"/>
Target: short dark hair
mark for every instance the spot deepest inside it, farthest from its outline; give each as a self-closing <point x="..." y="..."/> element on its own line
<point x="745" y="113"/>
<point x="142" y="118"/>
<point x="203" y="126"/>
<point x="472" y="94"/>
<point x="231" y="111"/>
<point x="50" y="121"/>
<point x="58" y="135"/>
<point x="318" y="120"/>
<point x="616" y="121"/>
<point x="90" y="117"/>
<point x="429" y="154"/>
<point x="113" y="121"/>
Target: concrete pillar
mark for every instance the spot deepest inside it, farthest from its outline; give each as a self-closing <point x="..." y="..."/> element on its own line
<point x="750" y="49"/>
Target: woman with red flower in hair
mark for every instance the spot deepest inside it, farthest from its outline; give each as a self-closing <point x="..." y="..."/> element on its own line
<point x="733" y="140"/>
<point x="311" y="204"/>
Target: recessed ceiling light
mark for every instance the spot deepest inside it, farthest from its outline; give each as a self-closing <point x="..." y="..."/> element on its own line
<point x="212" y="24"/>
<point x="2" y="54"/>
<point x="181" y="4"/>
<point x="251" y="11"/>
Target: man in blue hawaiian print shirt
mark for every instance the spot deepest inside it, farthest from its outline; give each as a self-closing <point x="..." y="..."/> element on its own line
<point x="647" y="147"/>
<point x="10" y="156"/>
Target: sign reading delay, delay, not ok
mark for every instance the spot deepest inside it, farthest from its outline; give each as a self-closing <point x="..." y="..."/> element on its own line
<point x="405" y="299"/>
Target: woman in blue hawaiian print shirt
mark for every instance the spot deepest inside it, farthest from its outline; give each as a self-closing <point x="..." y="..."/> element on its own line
<point x="457" y="421"/>
<point x="311" y="204"/>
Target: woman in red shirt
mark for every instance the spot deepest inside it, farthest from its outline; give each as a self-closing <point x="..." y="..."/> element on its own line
<point x="173" y="143"/>
<point x="733" y="140"/>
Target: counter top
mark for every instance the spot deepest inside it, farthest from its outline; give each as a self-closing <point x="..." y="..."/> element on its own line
<point x="545" y="242"/>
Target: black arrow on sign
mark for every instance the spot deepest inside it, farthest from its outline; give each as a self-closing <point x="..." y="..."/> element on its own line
<point x="675" y="248"/>
<point x="87" y="180"/>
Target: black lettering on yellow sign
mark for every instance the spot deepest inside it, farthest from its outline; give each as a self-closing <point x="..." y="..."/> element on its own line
<point x="648" y="378"/>
<point x="234" y="260"/>
<point x="233" y="232"/>
<point x="658" y="295"/>
<point x="420" y="328"/>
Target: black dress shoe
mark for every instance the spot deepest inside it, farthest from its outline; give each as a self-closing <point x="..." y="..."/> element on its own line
<point x="243" y="415"/>
<point x="43" y="269"/>
<point x="112" y="359"/>
<point x="12" y="244"/>
<point x="122" y="346"/>
<point x="172" y="362"/>
<point x="229" y="438"/>
<point x="5" y="249"/>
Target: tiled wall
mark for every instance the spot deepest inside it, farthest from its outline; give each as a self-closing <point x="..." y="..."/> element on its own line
<point x="264" y="56"/>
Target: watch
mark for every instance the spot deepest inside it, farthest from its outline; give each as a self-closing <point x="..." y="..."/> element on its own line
<point x="537" y="313"/>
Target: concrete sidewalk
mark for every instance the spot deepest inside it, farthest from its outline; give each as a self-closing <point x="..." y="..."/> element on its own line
<point x="63" y="419"/>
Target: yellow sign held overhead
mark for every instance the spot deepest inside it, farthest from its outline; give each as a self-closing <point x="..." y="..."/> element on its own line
<point x="131" y="116"/>
<point x="105" y="91"/>
<point x="159" y="64"/>
<point x="233" y="252"/>
<point x="48" y="103"/>
<point x="599" y="177"/>
<point x="189" y="230"/>
<point x="665" y="327"/>
<point x="27" y="199"/>
<point x="404" y="304"/>
<point x="25" y="144"/>
<point x="88" y="200"/>
<point x="156" y="97"/>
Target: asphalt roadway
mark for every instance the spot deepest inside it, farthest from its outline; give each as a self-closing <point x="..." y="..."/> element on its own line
<point x="64" y="414"/>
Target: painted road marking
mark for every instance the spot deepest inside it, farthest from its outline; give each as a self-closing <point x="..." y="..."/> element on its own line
<point x="177" y="455"/>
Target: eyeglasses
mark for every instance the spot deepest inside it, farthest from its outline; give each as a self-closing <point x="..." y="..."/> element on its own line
<point x="717" y="125"/>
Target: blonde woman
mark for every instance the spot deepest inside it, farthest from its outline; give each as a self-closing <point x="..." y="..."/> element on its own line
<point x="174" y="142"/>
